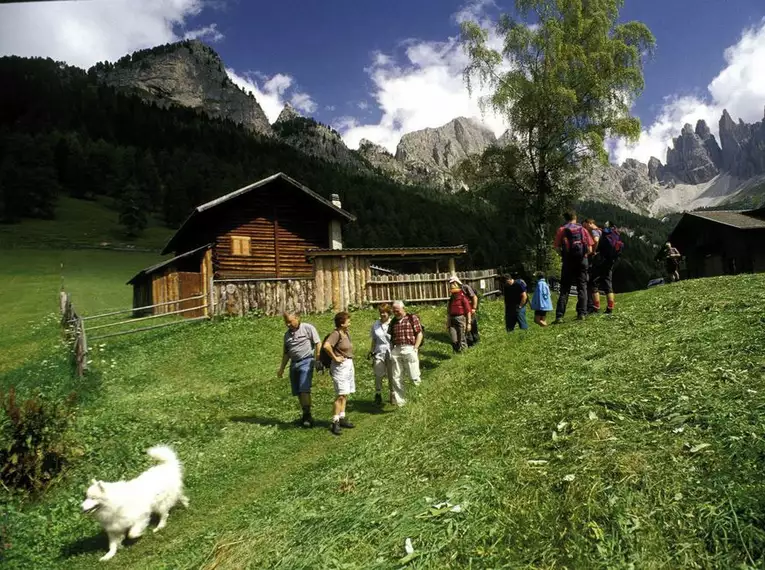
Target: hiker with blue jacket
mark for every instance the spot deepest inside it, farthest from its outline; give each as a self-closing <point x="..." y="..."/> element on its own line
<point x="574" y="243"/>
<point x="610" y="248"/>
<point x="516" y="297"/>
<point x="541" y="302"/>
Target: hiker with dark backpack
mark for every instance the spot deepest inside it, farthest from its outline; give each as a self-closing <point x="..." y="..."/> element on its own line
<point x="610" y="247"/>
<point x="574" y="244"/>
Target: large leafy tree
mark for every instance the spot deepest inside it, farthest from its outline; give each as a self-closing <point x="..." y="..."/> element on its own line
<point x="563" y="73"/>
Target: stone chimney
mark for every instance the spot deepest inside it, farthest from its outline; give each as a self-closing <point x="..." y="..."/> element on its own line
<point x="335" y="229"/>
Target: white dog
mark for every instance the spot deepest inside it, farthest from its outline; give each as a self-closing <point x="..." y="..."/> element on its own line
<point x="127" y="506"/>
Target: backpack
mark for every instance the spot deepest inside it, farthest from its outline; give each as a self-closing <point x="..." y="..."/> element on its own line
<point x="611" y="244"/>
<point x="324" y="357"/>
<point x="409" y="316"/>
<point x="573" y="241"/>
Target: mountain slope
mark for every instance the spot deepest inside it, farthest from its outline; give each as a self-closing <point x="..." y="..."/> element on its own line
<point x="189" y="74"/>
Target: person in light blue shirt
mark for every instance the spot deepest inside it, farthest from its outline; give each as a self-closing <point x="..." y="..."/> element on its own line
<point x="541" y="302"/>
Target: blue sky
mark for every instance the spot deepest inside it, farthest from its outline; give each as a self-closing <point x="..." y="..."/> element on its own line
<point x="378" y="69"/>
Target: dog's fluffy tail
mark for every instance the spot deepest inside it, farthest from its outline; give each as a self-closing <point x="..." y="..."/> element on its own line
<point x="163" y="454"/>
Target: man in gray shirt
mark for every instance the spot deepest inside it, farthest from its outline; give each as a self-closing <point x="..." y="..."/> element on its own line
<point x="302" y="346"/>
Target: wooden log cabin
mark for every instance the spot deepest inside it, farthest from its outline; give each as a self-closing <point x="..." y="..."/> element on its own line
<point x="255" y="240"/>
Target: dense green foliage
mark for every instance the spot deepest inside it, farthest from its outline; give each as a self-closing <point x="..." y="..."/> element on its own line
<point x="564" y="79"/>
<point x="638" y="445"/>
<point x="33" y="442"/>
<point x="63" y="133"/>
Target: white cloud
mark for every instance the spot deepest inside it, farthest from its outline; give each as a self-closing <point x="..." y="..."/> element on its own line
<point x="273" y="92"/>
<point x="425" y="89"/>
<point x="208" y="34"/>
<point x="363" y="105"/>
<point x="739" y="88"/>
<point x="83" y="33"/>
<point x="303" y="102"/>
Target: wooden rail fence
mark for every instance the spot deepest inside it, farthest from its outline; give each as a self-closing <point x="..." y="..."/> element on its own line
<point x="75" y="331"/>
<point x="428" y="287"/>
<point x="74" y="324"/>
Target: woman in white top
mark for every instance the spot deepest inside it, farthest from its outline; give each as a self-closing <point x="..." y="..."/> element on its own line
<point x="380" y="351"/>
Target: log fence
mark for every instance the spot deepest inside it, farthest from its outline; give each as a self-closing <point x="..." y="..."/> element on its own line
<point x="74" y="328"/>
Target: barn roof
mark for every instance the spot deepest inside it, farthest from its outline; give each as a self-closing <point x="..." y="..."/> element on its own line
<point x="198" y="213"/>
<point x="163" y="264"/>
<point x="743" y="220"/>
<point x="389" y="252"/>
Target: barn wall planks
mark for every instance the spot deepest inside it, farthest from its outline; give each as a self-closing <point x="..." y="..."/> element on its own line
<point x="270" y="297"/>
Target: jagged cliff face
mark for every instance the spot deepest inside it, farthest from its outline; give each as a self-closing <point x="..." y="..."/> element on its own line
<point x="189" y="74"/>
<point x="435" y="153"/>
<point x="315" y="139"/>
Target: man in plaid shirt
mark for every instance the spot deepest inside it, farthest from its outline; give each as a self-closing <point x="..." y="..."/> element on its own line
<point x="406" y="338"/>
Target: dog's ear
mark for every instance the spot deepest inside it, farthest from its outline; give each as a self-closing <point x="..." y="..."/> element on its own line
<point x="93" y="481"/>
<point x="101" y="486"/>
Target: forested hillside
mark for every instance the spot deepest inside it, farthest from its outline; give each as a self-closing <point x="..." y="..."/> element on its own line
<point x="64" y="133"/>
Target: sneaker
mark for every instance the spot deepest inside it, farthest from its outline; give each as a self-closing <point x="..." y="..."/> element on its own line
<point x="335" y="428"/>
<point x="580" y="317"/>
<point x="346" y="423"/>
<point x="378" y="399"/>
<point x="558" y="322"/>
<point x="307" y="422"/>
<point x="609" y="311"/>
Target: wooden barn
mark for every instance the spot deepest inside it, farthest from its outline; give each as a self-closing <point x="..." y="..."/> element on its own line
<point x="721" y="242"/>
<point x="259" y="234"/>
<point x="276" y="245"/>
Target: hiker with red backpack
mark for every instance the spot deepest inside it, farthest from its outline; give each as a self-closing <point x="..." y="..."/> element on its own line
<point x="610" y="247"/>
<point x="458" y="317"/>
<point x="592" y="262"/>
<point x="574" y="244"/>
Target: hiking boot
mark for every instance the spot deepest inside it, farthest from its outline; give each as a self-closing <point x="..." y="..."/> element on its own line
<point x="346" y="423"/>
<point x="558" y="322"/>
<point x="580" y="317"/>
<point x="378" y="399"/>
<point x="335" y="428"/>
<point x="609" y="311"/>
<point x="307" y="422"/>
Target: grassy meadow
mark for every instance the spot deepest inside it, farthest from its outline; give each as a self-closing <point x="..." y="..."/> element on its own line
<point x="630" y="441"/>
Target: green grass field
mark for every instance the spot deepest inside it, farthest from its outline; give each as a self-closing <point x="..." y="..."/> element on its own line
<point x="633" y="441"/>
<point x="81" y="223"/>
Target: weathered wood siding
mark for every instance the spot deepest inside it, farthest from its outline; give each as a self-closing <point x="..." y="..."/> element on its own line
<point x="340" y="282"/>
<point x="427" y="287"/>
<point x="282" y="224"/>
<point x="271" y="297"/>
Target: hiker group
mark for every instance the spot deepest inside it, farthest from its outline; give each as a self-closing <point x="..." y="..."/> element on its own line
<point x="396" y="338"/>
<point x="588" y="254"/>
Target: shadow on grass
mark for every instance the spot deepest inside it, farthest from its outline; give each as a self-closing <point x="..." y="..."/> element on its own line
<point x="97" y="544"/>
<point x="366" y="407"/>
<point x="272" y="422"/>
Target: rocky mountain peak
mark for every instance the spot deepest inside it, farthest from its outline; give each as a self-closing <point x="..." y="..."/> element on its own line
<point x="288" y="113"/>
<point x="703" y="130"/>
<point x="695" y="159"/>
<point x="446" y="146"/>
<point x="187" y="73"/>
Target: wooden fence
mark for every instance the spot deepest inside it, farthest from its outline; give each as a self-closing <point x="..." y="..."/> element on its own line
<point x="74" y="328"/>
<point x="74" y="324"/>
<point x="428" y="287"/>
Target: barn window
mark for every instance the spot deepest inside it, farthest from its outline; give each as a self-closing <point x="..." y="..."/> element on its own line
<point x="240" y="245"/>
